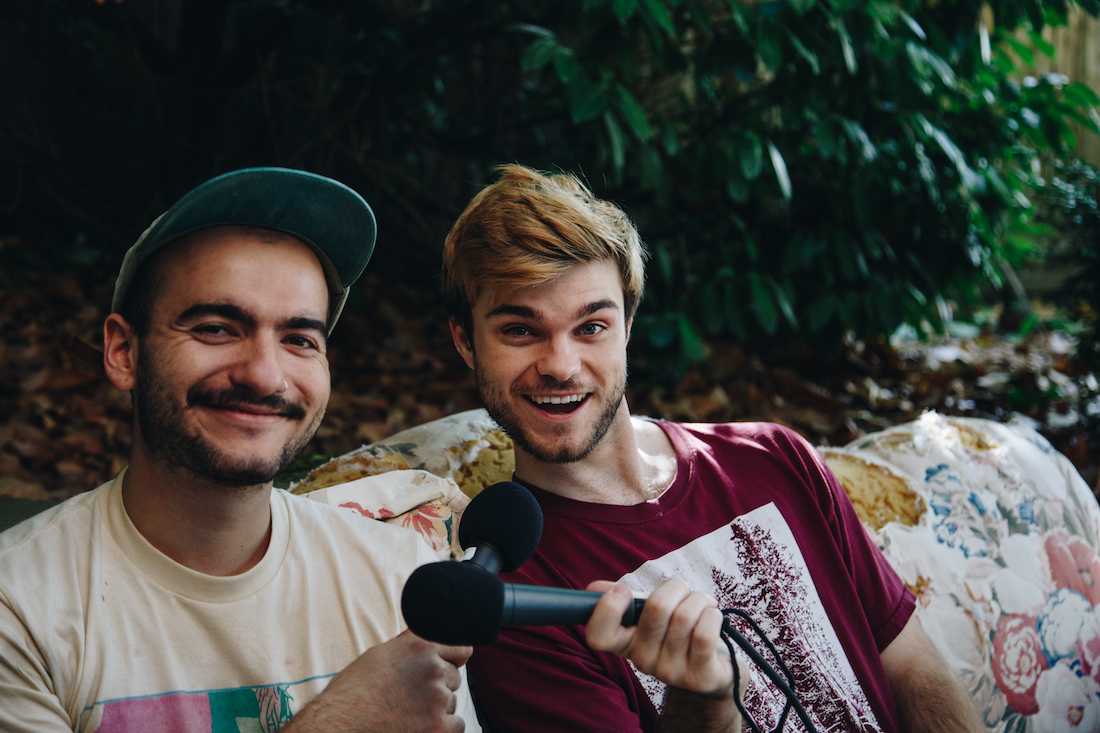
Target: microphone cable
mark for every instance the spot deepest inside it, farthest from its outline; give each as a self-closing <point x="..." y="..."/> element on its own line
<point x="786" y="687"/>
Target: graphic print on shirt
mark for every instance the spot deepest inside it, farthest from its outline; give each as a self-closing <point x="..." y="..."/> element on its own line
<point x="755" y="565"/>
<point x="262" y="709"/>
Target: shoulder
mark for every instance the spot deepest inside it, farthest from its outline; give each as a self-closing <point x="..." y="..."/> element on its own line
<point x="748" y="436"/>
<point x="319" y="523"/>
<point x="47" y="534"/>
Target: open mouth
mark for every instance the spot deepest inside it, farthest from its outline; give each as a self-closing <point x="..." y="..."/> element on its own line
<point x="558" y="404"/>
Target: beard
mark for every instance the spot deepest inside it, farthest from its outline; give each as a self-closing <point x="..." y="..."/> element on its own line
<point x="164" y="432"/>
<point x="496" y="404"/>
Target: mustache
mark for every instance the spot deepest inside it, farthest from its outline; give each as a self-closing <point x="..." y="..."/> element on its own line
<point x="242" y="396"/>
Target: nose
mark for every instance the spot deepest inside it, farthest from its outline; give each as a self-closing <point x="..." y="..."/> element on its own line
<point x="559" y="359"/>
<point x="259" y="367"/>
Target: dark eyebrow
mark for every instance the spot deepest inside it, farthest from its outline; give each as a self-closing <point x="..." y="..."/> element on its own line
<point x="235" y="313"/>
<point x="521" y="311"/>
<point x="303" y="323"/>
<point x="597" y="306"/>
<point x="224" y="310"/>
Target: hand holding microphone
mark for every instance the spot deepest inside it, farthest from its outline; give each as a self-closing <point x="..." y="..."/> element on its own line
<point x="466" y="603"/>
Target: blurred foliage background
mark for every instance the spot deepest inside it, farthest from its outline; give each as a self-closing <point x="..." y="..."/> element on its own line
<point x="797" y="167"/>
<point x="810" y="172"/>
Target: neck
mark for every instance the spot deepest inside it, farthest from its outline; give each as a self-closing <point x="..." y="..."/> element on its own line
<point x="210" y="528"/>
<point x="633" y="463"/>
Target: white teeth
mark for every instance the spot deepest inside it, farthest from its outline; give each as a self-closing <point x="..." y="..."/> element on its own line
<point x="556" y="400"/>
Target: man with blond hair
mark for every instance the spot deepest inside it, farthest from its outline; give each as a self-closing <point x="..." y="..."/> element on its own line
<point x="542" y="281"/>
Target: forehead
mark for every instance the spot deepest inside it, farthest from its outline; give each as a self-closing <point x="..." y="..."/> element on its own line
<point x="578" y="286"/>
<point x="268" y="271"/>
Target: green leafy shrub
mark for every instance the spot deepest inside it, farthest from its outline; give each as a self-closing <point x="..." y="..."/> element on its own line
<point x="1071" y="204"/>
<point x="799" y="168"/>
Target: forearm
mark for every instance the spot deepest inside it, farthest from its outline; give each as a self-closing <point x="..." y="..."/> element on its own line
<point x="687" y="711"/>
<point x="935" y="702"/>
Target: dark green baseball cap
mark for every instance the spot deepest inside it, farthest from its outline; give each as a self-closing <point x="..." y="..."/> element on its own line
<point x="325" y="214"/>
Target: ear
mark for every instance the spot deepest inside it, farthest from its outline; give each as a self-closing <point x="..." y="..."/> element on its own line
<point x="120" y="352"/>
<point x="629" y="325"/>
<point x="462" y="341"/>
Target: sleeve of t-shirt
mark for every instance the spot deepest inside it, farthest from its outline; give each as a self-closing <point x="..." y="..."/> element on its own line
<point x="887" y="603"/>
<point x="545" y="680"/>
<point x="29" y="702"/>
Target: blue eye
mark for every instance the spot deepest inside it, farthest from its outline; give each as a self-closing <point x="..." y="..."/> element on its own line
<point x="591" y="329"/>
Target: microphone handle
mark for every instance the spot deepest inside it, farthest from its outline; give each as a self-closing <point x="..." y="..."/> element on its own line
<point x="536" y="605"/>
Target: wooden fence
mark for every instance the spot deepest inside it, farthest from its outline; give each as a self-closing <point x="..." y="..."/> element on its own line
<point x="1077" y="55"/>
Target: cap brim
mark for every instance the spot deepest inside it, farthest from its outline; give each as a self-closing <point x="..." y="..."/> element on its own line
<point x="325" y="214"/>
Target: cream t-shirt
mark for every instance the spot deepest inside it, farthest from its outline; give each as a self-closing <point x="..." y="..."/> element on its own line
<point x="101" y="632"/>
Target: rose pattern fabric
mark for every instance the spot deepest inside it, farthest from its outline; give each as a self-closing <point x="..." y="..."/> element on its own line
<point x="1004" y="565"/>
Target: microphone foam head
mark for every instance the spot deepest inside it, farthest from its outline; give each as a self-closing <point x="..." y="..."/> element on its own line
<point x="453" y="603"/>
<point x="508" y="517"/>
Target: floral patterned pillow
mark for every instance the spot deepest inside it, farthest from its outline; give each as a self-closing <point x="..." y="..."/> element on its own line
<point x="420" y="478"/>
<point x="1004" y="564"/>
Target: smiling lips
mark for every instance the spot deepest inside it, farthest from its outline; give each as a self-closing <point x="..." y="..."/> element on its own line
<point x="558" y="404"/>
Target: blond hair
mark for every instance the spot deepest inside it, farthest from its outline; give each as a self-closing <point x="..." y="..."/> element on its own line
<point x="527" y="229"/>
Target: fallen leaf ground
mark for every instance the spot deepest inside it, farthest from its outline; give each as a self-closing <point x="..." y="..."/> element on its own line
<point x="65" y="430"/>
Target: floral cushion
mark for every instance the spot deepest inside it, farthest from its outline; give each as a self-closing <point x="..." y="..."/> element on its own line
<point x="992" y="529"/>
<point x="1004" y="563"/>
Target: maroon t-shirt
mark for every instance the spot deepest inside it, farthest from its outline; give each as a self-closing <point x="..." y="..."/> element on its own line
<point x="754" y="518"/>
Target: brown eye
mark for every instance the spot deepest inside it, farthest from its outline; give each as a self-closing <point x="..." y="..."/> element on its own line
<point x="301" y="342"/>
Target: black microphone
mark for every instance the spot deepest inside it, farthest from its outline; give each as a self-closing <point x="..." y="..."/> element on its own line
<point x="460" y="603"/>
<point x="504" y="524"/>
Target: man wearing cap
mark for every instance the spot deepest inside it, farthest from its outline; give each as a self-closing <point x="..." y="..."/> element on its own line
<point x="185" y="594"/>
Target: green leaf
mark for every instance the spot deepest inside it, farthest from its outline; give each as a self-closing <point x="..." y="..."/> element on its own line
<point x="633" y="114"/>
<point x="691" y="346"/>
<point x="845" y="45"/>
<point x="809" y="56"/>
<point x="1044" y="46"/>
<point x="615" y="138"/>
<point x="624" y="9"/>
<point x="737" y="14"/>
<point x="658" y="12"/>
<point x="802" y="6"/>
<point x="860" y="139"/>
<point x="652" y="172"/>
<point x="1022" y="50"/>
<point x="913" y="25"/>
<point x="1080" y="95"/>
<point x="762" y="304"/>
<point x="751" y="154"/>
<point x="669" y="141"/>
<point x="769" y="50"/>
<point x="538" y="54"/>
<point x="664" y="262"/>
<point x="737" y="188"/>
<point x="780" y="168"/>
<point x="565" y="65"/>
<point x="784" y="301"/>
<point x="661" y="331"/>
<point x="825" y="138"/>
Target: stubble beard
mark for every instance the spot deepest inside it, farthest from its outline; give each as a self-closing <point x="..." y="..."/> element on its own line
<point x="496" y="404"/>
<point x="165" y="435"/>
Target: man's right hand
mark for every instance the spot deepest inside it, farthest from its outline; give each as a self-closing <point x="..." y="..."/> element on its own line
<point x="405" y="684"/>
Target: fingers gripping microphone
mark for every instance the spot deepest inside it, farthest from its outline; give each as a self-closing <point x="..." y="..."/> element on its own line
<point x="466" y="603"/>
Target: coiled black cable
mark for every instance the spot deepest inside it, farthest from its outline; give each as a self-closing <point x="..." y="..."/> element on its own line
<point x="786" y="687"/>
